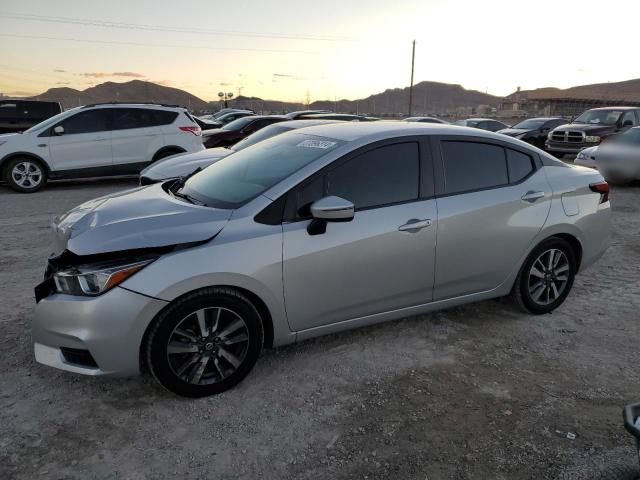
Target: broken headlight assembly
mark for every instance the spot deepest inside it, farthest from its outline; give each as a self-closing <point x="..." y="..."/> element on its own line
<point x="92" y="280"/>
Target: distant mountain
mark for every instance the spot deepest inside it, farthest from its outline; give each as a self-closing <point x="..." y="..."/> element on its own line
<point x="622" y="91"/>
<point x="428" y="97"/>
<point x="133" y="91"/>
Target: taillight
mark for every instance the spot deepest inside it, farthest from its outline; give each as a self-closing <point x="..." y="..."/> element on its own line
<point x="195" y="130"/>
<point x="603" y="189"/>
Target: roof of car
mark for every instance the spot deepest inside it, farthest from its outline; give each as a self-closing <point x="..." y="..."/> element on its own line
<point x="615" y="108"/>
<point x="255" y="117"/>
<point x="307" y="122"/>
<point x="350" y="131"/>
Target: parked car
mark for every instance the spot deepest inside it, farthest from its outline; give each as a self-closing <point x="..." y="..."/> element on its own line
<point x="231" y="116"/>
<point x="302" y="113"/>
<point x="307" y="233"/>
<point x="618" y="158"/>
<point x="206" y="124"/>
<point x="587" y="157"/>
<point x="534" y="130"/>
<point x="238" y="129"/>
<point x="178" y="166"/>
<point x="482" y="124"/>
<point x="425" y="120"/>
<point x="96" y="140"/>
<point x="19" y="115"/>
<point x="591" y="128"/>
<point x="346" y="117"/>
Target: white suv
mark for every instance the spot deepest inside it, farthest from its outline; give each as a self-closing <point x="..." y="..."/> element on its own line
<point x="96" y="140"/>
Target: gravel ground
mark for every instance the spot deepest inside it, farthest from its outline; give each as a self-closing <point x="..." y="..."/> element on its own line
<point x="481" y="391"/>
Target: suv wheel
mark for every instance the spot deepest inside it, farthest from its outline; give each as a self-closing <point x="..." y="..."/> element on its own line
<point x="25" y="175"/>
<point x="205" y="343"/>
<point x="546" y="277"/>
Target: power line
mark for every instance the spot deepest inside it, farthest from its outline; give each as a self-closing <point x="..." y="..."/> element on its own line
<point x="166" y="28"/>
<point x="138" y="44"/>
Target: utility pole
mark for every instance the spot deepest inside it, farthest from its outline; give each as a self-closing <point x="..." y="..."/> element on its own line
<point x="413" y="59"/>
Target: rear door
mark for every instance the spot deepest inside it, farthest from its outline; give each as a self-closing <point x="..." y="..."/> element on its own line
<point x="84" y="149"/>
<point x="136" y="138"/>
<point x="493" y="199"/>
<point x="374" y="263"/>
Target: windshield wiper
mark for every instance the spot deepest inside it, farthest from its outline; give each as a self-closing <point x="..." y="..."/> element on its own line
<point x="186" y="197"/>
<point x="180" y="183"/>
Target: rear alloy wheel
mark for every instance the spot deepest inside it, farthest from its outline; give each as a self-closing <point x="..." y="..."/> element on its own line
<point x="25" y="175"/>
<point x="546" y="277"/>
<point x="205" y="343"/>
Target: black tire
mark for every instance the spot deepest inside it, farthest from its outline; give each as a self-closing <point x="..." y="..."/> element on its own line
<point x="32" y="178"/>
<point x="522" y="293"/>
<point x="219" y="373"/>
<point x="616" y="471"/>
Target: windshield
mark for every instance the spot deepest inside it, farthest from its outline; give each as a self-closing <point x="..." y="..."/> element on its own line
<point x="529" y="124"/>
<point x="267" y="132"/>
<point x="238" y="124"/>
<point x="599" y="117"/>
<point x="238" y="178"/>
<point x="462" y="123"/>
<point x="50" y="121"/>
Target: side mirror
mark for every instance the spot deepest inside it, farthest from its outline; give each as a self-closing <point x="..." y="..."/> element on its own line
<point x="627" y="123"/>
<point x="59" y="130"/>
<point x="329" y="209"/>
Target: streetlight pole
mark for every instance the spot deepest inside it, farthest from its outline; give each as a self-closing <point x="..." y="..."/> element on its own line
<point x="413" y="58"/>
<point x="225" y="96"/>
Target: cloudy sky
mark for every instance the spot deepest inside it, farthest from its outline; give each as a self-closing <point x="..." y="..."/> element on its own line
<point x="324" y="49"/>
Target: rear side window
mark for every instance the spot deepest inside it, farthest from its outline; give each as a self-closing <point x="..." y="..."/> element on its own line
<point x="520" y="165"/>
<point x="473" y="166"/>
<point x="166" y="117"/>
<point x="88" y="121"/>
<point x="386" y="175"/>
<point x="128" y="118"/>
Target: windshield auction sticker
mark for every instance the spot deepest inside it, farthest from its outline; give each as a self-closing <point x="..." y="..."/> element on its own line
<point x="323" y="144"/>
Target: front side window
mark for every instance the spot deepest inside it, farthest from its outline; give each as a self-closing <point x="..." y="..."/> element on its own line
<point x="629" y="116"/>
<point x="88" y="121"/>
<point x="236" y="179"/>
<point x="383" y="176"/>
<point x="473" y="166"/>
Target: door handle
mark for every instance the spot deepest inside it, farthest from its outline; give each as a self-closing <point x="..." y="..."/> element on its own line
<point x="100" y="139"/>
<point x="532" y="196"/>
<point x="414" y="225"/>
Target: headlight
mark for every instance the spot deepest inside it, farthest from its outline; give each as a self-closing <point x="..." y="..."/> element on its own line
<point x="95" y="280"/>
<point x="549" y="135"/>
<point x="592" y="139"/>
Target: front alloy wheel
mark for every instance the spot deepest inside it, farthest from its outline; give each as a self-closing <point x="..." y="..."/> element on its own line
<point x="205" y="342"/>
<point x="25" y="175"/>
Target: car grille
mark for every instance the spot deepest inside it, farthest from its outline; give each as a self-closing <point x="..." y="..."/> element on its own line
<point x="567" y="136"/>
<point x="78" y="356"/>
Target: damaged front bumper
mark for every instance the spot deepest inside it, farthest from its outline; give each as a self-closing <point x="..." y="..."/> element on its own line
<point x="70" y="331"/>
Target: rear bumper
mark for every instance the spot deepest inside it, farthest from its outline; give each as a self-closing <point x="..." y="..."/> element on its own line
<point x="109" y="328"/>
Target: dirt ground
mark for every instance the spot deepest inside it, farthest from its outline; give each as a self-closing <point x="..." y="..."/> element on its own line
<point x="477" y="392"/>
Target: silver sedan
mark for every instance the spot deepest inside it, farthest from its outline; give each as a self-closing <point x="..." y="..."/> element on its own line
<point x="313" y="231"/>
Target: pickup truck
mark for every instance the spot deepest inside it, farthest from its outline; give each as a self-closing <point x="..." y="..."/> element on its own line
<point x="591" y="128"/>
<point x="19" y="115"/>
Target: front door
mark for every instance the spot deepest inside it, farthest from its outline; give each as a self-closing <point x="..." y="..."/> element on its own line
<point x="493" y="202"/>
<point x="380" y="261"/>
<point x="84" y="148"/>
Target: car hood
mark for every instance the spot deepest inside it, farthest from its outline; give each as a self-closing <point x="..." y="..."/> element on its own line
<point x="512" y="132"/>
<point x="183" y="164"/>
<point x="143" y="217"/>
<point x="589" y="129"/>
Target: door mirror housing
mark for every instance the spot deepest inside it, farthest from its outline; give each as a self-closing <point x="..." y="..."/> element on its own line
<point x="329" y="209"/>
<point x="627" y="123"/>
<point x="59" y="130"/>
<point x="333" y="209"/>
